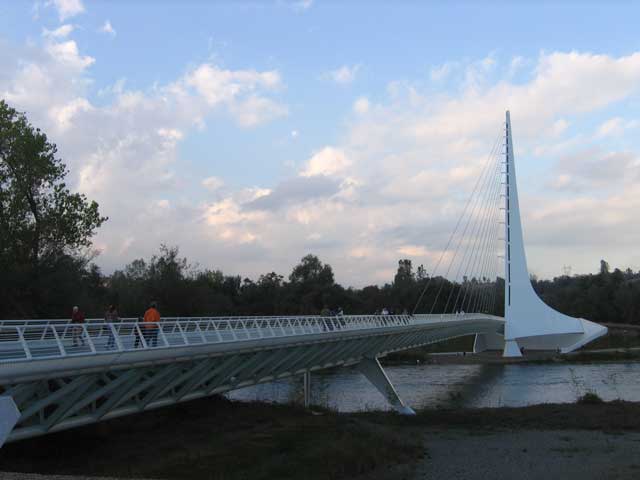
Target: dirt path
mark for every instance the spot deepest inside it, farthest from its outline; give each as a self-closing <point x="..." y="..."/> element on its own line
<point x="530" y="454"/>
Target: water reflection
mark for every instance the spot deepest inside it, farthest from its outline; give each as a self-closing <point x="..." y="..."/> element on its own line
<point x="431" y="386"/>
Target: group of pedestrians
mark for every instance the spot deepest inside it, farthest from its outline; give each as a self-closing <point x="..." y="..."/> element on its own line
<point x="149" y="326"/>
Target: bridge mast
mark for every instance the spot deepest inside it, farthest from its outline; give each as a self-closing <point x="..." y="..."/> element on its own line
<point x="529" y="322"/>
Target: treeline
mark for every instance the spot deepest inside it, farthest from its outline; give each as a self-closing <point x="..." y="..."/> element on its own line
<point x="182" y="289"/>
<point x="606" y="297"/>
<point x="45" y="267"/>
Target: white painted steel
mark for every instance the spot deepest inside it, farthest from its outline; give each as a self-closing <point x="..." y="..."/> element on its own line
<point x="529" y="322"/>
<point x="57" y="385"/>
<point x="9" y="416"/>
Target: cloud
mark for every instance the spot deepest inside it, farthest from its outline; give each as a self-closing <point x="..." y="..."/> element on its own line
<point x="392" y="186"/>
<point x="594" y="170"/>
<point x="61" y="32"/>
<point x="615" y="127"/>
<point x="108" y="28"/>
<point x="327" y="161"/>
<point x="67" y="54"/>
<point x="237" y="91"/>
<point x="295" y="191"/>
<point x="441" y="72"/>
<point x="67" y="8"/>
<point x="361" y="105"/>
<point x="212" y="183"/>
<point x="255" y="110"/>
<point x="343" y="75"/>
<point x="124" y="151"/>
<point x="301" y="5"/>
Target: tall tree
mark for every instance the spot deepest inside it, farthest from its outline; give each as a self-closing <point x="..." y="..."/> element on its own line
<point x="41" y="220"/>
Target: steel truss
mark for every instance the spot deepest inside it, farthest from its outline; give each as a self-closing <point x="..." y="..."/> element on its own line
<point x="77" y="392"/>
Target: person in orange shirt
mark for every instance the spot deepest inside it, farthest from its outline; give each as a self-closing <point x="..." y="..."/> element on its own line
<point x="150" y="324"/>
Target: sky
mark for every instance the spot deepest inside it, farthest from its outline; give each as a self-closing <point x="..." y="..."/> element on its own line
<point x="252" y="133"/>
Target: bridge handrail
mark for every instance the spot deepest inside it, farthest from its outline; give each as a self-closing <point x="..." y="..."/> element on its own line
<point x="39" y="341"/>
<point x="64" y="321"/>
<point x="50" y="339"/>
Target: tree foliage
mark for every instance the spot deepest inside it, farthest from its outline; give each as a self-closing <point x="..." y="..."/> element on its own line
<point x="43" y="225"/>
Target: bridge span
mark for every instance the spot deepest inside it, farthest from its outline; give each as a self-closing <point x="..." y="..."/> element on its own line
<point x="114" y="369"/>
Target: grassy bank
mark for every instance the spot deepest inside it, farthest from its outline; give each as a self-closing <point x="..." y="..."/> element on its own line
<point x="219" y="439"/>
<point x="615" y="416"/>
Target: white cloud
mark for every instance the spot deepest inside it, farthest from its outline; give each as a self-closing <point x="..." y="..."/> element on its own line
<point x="615" y="127"/>
<point x="67" y="8"/>
<point x="559" y="126"/>
<point x="302" y="5"/>
<point x="67" y="54"/>
<point x="392" y="186"/>
<point x="327" y="161"/>
<point x="108" y="28"/>
<point x="343" y="75"/>
<point x="255" y="110"/>
<point x="60" y="32"/>
<point x="441" y="72"/>
<point x="361" y="105"/>
<point x="124" y="153"/>
<point x="212" y="183"/>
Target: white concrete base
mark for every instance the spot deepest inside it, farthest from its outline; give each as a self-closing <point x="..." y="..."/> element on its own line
<point x="488" y="341"/>
<point x="406" y="411"/>
<point x="9" y="415"/>
<point x="511" y="349"/>
<point x="307" y="389"/>
<point x="371" y="368"/>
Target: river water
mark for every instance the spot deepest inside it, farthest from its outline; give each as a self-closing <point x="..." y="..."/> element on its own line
<point x="422" y="386"/>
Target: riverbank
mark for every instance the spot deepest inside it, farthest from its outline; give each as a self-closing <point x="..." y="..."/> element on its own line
<point x="220" y="439"/>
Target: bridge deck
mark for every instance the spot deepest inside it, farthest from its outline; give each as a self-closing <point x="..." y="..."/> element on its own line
<point x="39" y="349"/>
<point x="116" y="369"/>
<point x="22" y="340"/>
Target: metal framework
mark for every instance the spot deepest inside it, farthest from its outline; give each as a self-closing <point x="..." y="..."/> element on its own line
<point x="58" y="385"/>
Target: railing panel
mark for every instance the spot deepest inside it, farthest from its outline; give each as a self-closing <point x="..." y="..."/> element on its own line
<point x="22" y="340"/>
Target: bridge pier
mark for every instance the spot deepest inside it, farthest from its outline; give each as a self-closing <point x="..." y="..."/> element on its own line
<point x="9" y="415"/>
<point x="372" y="370"/>
<point x="307" y="388"/>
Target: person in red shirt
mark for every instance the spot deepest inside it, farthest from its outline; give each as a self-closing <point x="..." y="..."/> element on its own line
<point x="77" y="317"/>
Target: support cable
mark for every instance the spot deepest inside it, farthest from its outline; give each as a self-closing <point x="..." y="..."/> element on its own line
<point x="478" y="235"/>
<point x="426" y="287"/>
<point x="475" y="221"/>
<point x="487" y="255"/>
<point x="484" y="176"/>
<point x="477" y="268"/>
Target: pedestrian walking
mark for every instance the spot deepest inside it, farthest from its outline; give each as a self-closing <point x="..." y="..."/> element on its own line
<point x="150" y="324"/>
<point x="77" y="319"/>
<point x="111" y="316"/>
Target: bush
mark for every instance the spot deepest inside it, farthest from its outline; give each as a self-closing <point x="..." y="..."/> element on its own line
<point x="590" y="398"/>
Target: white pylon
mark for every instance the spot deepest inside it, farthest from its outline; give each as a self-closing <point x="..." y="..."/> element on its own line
<point x="529" y="322"/>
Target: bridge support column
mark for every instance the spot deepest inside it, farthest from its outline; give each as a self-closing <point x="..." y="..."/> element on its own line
<point x="371" y="368"/>
<point x="307" y="388"/>
<point x="9" y="415"/>
<point x="511" y="349"/>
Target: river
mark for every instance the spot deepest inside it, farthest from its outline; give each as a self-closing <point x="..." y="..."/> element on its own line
<point x="483" y="385"/>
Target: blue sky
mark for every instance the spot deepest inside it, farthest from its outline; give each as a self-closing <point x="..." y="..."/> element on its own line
<point x="180" y="114"/>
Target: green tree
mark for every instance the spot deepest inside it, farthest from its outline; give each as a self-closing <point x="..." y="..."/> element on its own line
<point x="312" y="270"/>
<point x="40" y="218"/>
<point x="42" y="223"/>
